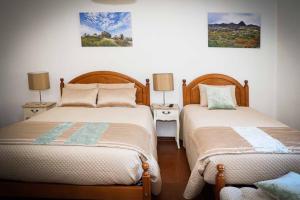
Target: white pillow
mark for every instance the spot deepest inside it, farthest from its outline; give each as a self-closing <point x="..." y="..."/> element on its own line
<point x="115" y="85"/>
<point x="81" y="86"/>
<point x="117" y="97"/>
<point x="203" y="93"/>
<point x="79" y="97"/>
<point x="220" y="98"/>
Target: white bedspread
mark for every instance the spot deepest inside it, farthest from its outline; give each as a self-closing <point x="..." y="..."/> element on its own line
<point x="239" y="169"/>
<point x="194" y="116"/>
<point x="82" y="165"/>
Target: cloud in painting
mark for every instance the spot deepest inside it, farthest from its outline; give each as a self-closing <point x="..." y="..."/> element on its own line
<point x="219" y="18"/>
<point x="115" y="23"/>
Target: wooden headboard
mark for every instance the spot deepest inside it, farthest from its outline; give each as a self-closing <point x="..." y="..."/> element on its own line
<point x="191" y="93"/>
<point x="142" y="92"/>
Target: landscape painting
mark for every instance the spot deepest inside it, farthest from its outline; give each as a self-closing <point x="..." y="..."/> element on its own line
<point x="105" y="29"/>
<point x="235" y="30"/>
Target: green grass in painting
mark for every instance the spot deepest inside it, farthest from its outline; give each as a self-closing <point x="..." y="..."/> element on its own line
<point x="95" y="41"/>
<point x="241" y="37"/>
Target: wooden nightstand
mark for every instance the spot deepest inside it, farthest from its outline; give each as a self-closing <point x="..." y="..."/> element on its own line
<point x="165" y="113"/>
<point x="33" y="108"/>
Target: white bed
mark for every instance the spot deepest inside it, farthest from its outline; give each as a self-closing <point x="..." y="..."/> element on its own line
<point x="77" y="164"/>
<point x="266" y="166"/>
<point x="114" y="166"/>
<point x="240" y="167"/>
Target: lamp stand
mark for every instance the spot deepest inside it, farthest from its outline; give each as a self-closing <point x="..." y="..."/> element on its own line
<point x="40" y="97"/>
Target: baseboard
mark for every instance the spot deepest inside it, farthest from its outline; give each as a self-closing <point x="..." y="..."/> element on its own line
<point x="160" y="138"/>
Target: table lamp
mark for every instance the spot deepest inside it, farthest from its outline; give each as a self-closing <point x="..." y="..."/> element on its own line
<point x="163" y="82"/>
<point x="38" y="81"/>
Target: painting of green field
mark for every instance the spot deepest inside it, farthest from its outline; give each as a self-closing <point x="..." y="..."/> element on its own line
<point x="105" y="29"/>
<point x="99" y="41"/>
<point x="235" y="30"/>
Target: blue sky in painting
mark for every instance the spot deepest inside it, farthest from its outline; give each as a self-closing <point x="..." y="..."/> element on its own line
<point x="115" y="23"/>
<point x="248" y="18"/>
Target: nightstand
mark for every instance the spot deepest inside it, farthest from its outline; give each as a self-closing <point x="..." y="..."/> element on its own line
<point x="165" y="113"/>
<point x="33" y="108"/>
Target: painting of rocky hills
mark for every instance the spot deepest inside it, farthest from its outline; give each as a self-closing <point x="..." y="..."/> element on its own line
<point x="235" y="30"/>
<point x="105" y="29"/>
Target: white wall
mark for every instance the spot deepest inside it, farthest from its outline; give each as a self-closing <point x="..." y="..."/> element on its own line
<point x="288" y="80"/>
<point x="168" y="36"/>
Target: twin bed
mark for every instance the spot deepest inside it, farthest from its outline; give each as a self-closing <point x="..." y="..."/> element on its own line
<point x="123" y="164"/>
<point x="217" y="154"/>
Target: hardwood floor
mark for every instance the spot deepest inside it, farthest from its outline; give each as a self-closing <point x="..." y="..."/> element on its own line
<point x="175" y="172"/>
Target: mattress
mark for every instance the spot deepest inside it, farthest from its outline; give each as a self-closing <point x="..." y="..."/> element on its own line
<point x="82" y="165"/>
<point x="239" y="168"/>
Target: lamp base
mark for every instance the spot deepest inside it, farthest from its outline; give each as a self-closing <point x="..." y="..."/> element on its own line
<point x="41" y="103"/>
<point x="164" y="94"/>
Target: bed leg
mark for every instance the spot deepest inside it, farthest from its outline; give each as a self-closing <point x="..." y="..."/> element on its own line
<point x="220" y="181"/>
<point x="146" y="182"/>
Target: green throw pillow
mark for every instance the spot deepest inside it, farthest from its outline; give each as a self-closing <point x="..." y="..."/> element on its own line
<point x="219" y="98"/>
<point x="285" y="187"/>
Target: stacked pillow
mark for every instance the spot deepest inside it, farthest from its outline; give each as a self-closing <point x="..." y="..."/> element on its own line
<point x="108" y="95"/>
<point x="217" y="97"/>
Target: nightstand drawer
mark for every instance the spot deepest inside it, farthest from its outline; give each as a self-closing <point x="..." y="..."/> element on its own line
<point x="166" y="114"/>
<point x="31" y="109"/>
<point x="29" y="112"/>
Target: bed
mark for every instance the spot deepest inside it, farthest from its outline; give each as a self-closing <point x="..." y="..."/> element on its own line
<point x="214" y="153"/>
<point x="106" y="170"/>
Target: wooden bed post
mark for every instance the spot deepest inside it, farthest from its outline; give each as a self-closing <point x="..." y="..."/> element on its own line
<point x="62" y="85"/>
<point x="220" y="181"/>
<point x="146" y="182"/>
<point x="184" y="92"/>
<point x="148" y="92"/>
<point x="246" y="87"/>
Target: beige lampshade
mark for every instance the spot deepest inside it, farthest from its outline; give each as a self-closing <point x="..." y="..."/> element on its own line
<point x="38" y="80"/>
<point x="163" y="82"/>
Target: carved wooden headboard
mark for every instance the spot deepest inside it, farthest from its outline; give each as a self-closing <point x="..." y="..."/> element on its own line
<point x="142" y="92"/>
<point x="191" y="93"/>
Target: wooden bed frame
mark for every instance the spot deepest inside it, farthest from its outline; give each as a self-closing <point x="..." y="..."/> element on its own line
<point x="142" y="91"/>
<point x="66" y="191"/>
<point x="191" y="95"/>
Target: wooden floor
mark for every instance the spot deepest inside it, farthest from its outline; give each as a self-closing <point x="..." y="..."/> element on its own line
<point x="175" y="172"/>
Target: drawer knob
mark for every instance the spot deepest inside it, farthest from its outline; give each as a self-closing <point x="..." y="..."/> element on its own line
<point x="34" y="111"/>
<point x="166" y="112"/>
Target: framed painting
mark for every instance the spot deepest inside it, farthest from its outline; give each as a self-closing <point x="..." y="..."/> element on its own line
<point x="105" y="29"/>
<point x="235" y="30"/>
